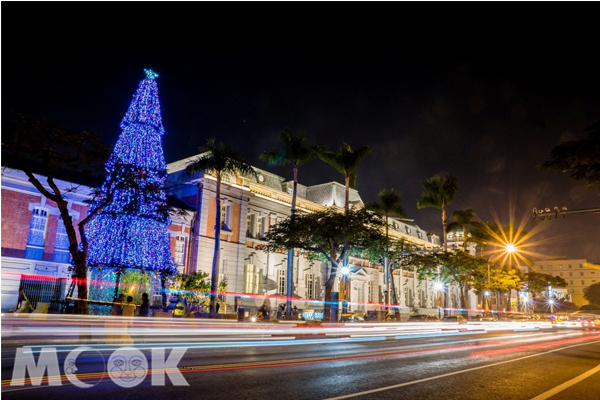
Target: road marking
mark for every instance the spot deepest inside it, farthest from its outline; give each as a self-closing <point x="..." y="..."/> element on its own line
<point x="567" y="384"/>
<point x="454" y="373"/>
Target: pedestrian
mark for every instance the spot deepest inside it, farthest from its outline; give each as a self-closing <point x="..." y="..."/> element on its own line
<point x="118" y="305"/>
<point x="145" y="307"/>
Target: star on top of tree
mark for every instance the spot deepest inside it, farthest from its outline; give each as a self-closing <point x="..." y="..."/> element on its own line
<point x="150" y="74"/>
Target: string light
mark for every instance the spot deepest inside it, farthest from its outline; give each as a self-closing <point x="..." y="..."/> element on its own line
<point x="131" y="232"/>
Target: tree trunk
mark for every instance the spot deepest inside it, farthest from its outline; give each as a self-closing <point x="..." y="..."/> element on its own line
<point x="394" y="297"/>
<point x="290" y="257"/>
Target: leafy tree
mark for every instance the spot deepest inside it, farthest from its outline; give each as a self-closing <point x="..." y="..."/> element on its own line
<point x="218" y="159"/>
<point x="296" y="151"/>
<point x="195" y="287"/>
<point x="329" y="234"/>
<point x="438" y="192"/>
<point x="580" y="159"/>
<point x="345" y="161"/>
<point x="459" y="268"/>
<point x="388" y="204"/>
<point x="590" y="306"/>
<point x="41" y="146"/>
<point x="592" y="293"/>
<point x="483" y="234"/>
<point x="462" y="219"/>
<point x="537" y="282"/>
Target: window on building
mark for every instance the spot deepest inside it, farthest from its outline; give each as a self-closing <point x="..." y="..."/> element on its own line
<point x="420" y="234"/>
<point x="549" y="266"/>
<point x="560" y="267"/>
<point x="407" y="229"/>
<point x="572" y="290"/>
<point x="261" y="227"/>
<point x="291" y="191"/>
<point x="582" y="282"/>
<point x="593" y="272"/>
<point x="570" y="274"/>
<point x="179" y="250"/>
<point x="226" y="217"/>
<point x="581" y="273"/>
<point x="281" y="282"/>
<point x="251" y="226"/>
<point x="593" y="280"/>
<point x="570" y="266"/>
<point x="561" y="274"/>
<point x="61" y="244"/>
<point x="310" y="286"/>
<point x="541" y="267"/>
<point x="252" y="277"/>
<point x="580" y="266"/>
<point x="571" y="282"/>
<point x="37" y="234"/>
<point x="226" y="178"/>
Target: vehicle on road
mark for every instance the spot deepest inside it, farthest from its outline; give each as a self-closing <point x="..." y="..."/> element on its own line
<point x="423" y="318"/>
<point x="455" y="318"/>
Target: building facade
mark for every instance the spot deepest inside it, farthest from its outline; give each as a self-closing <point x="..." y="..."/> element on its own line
<point x="578" y="273"/>
<point x="33" y="241"/>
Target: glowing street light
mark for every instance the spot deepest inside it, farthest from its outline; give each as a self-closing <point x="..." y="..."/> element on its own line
<point x="511" y="248"/>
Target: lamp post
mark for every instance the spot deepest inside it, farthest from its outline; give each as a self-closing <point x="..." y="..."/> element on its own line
<point x="550" y="299"/>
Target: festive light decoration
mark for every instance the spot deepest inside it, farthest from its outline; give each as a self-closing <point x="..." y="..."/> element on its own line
<point x="131" y="231"/>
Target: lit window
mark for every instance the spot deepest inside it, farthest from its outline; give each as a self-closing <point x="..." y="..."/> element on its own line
<point x="281" y="282"/>
<point x="407" y="229"/>
<point x="252" y="277"/>
<point x="61" y="244"/>
<point x="560" y="267"/>
<point x="549" y="266"/>
<point x="37" y="234"/>
<point x="290" y="191"/>
<point x="179" y="250"/>
<point x="420" y="234"/>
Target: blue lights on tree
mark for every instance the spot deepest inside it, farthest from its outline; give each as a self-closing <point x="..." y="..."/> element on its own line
<point x="131" y="232"/>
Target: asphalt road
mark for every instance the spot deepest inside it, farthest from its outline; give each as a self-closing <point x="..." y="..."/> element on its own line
<point x="529" y="364"/>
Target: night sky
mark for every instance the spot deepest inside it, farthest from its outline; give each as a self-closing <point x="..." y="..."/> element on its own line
<point x="479" y="90"/>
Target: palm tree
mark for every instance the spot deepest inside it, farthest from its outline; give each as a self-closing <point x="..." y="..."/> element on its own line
<point x="296" y="151"/>
<point x="218" y="160"/>
<point x="438" y="192"/>
<point x="462" y="218"/>
<point x="345" y="161"/>
<point x="388" y="204"/>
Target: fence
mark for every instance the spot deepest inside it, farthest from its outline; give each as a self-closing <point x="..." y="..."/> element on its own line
<point x="42" y="289"/>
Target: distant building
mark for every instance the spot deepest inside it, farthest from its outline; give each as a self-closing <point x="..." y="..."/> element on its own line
<point x="578" y="273"/>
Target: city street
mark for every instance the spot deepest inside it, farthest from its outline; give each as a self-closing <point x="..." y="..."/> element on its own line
<point x="399" y="361"/>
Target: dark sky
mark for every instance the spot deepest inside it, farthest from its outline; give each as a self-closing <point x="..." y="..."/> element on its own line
<point x="481" y="90"/>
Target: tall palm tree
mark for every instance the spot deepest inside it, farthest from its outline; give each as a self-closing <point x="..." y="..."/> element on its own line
<point x="218" y="159"/>
<point x="483" y="234"/>
<point x="388" y="204"/>
<point x="345" y="161"/>
<point x="296" y="151"/>
<point x="462" y="219"/>
<point x="438" y="192"/>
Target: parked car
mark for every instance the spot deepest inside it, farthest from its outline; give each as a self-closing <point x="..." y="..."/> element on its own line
<point x="455" y="318"/>
<point x="423" y="318"/>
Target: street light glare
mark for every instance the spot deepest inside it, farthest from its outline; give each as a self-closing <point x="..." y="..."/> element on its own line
<point x="510" y="248"/>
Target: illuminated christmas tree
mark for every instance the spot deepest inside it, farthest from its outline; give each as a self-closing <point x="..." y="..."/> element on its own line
<point x="130" y="233"/>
